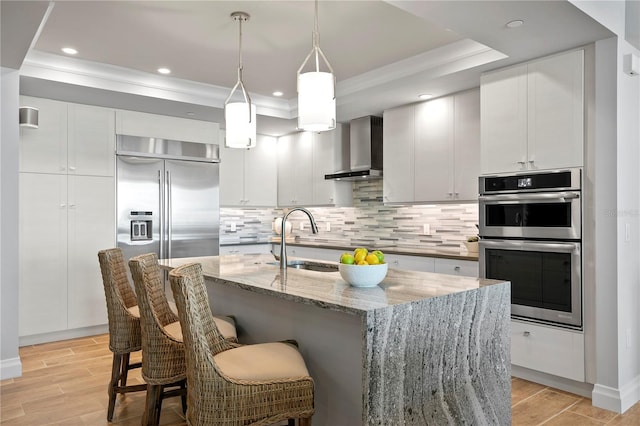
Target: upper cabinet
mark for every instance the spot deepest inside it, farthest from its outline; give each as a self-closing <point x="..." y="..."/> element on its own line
<point x="303" y="160"/>
<point x="248" y="177"/>
<point x="70" y="139"/>
<point x="432" y="149"/>
<point x="135" y="123"/>
<point x="533" y="115"/>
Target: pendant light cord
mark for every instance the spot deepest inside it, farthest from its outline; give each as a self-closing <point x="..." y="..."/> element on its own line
<point x="240" y="19"/>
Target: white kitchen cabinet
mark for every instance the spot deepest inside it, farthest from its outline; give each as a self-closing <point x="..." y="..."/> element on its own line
<point x="533" y="115"/>
<point x="43" y="253"/>
<point x="398" y="154"/>
<point x="466" y="268"/>
<point x="248" y="177"/>
<point x="245" y="249"/>
<point x="303" y="160"/>
<point x="410" y="263"/>
<point x="295" y="174"/>
<point x="433" y="153"/>
<point x="64" y="222"/>
<point x="432" y="150"/>
<point x="70" y="139"/>
<point x="547" y="349"/>
<point x="90" y="228"/>
<point x="327" y="159"/>
<point x="135" y="123"/>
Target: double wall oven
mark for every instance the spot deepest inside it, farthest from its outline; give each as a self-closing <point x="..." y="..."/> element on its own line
<point x="531" y="234"/>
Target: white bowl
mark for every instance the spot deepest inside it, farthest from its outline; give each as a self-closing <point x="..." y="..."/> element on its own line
<point x="363" y="275"/>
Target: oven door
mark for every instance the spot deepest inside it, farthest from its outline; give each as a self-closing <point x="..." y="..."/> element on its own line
<point x="555" y="215"/>
<point x="546" y="279"/>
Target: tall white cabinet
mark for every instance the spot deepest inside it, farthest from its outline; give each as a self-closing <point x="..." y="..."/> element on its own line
<point x="533" y="115"/>
<point x="67" y="214"/>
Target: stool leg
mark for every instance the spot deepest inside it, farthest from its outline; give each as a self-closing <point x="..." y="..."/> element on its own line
<point x="125" y="369"/>
<point x="305" y="422"/>
<point x="149" y="417"/>
<point x="291" y="422"/>
<point x="115" y="376"/>
<point x="183" y="386"/>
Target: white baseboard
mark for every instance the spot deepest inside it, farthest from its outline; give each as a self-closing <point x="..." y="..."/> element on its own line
<point x="618" y="400"/>
<point x="35" y="339"/>
<point x="10" y="368"/>
<point x="567" y="385"/>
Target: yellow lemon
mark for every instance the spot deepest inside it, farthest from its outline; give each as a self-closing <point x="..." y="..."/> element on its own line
<point x="347" y="258"/>
<point x="360" y="250"/>
<point x="362" y="262"/>
<point x="361" y="255"/>
<point x="372" y="259"/>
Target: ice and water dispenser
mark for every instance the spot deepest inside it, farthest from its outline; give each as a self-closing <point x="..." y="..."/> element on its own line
<point x="141" y="227"/>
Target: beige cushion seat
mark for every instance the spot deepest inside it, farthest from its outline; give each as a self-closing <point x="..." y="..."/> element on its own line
<point x="262" y="362"/>
<point x="225" y="325"/>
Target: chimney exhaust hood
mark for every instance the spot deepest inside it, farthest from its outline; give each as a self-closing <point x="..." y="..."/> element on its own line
<point x="365" y="148"/>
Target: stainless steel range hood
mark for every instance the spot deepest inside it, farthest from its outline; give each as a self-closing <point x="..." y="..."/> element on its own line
<point x="365" y="148"/>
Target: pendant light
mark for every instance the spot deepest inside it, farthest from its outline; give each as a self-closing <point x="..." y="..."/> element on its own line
<point x="316" y="90"/>
<point x="240" y="117"/>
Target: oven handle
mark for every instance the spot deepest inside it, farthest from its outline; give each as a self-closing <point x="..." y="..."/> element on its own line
<point x="521" y="245"/>
<point x="562" y="196"/>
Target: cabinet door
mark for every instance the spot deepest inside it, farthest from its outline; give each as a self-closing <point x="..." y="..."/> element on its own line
<point x="91" y="140"/>
<point x="503" y="107"/>
<point x="410" y="263"/>
<point x="398" y="154"/>
<point x="434" y="150"/>
<point x="161" y="126"/>
<point x="44" y="150"/>
<point x="231" y="176"/>
<point x="466" y="145"/>
<point x="556" y="111"/>
<point x="467" y="268"/>
<point x="43" y="253"/>
<point x="261" y="173"/>
<point x="295" y="174"/>
<point x="323" y="150"/>
<point x="91" y="228"/>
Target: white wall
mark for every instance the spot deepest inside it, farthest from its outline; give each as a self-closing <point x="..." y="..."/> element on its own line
<point x="10" y="365"/>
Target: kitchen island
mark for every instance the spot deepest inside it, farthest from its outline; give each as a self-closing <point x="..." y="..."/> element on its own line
<point x="420" y="348"/>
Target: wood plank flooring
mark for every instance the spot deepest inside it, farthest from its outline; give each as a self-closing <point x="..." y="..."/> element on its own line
<point x="65" y="383"/>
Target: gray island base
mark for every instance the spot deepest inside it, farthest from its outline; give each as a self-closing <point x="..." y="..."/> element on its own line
<point x="419" y="349"/>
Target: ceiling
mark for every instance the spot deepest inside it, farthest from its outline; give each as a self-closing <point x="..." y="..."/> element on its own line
<point x="384" y="53"/>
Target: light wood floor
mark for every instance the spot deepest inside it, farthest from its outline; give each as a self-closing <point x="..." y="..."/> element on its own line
<point x="64" y="383"/>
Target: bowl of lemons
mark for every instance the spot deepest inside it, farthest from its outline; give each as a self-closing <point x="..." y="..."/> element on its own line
<point x="363" y="268"/>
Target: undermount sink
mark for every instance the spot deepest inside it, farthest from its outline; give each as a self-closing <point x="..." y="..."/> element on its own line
<point x="310" y="265"/>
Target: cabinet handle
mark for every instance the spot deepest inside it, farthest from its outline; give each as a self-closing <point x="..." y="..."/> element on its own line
<point x="72" y="206"/>
<point x="395" y="262"/>
<point x="526" y="334"/>
<point x="62" y="206"/>
<point x="522" y="163"/>
<point x="72" y="168"/>
<point x="457" y="269"/>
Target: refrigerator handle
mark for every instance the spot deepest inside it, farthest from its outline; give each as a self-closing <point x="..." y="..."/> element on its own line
<point x="161" y="215"/>
<point x="169" y="208"/>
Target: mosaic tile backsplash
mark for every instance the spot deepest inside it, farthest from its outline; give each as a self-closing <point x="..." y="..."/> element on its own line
<point x="369" y="222"/>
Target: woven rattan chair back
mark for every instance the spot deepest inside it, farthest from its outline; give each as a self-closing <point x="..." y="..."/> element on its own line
<point x="163" y="357"/>
<point x="213" y="398"/>
<point x="124" y="326"/>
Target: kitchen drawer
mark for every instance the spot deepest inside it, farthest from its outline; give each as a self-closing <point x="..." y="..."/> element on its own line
<point x="467" y="268"/>
<point x="412" y="263"/>
<point x="547" y="349"/>
<point x="245" y="249"/>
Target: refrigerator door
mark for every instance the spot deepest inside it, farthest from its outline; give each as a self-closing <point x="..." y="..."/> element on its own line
<point x="193" y="209"/>
<point x="138" y="205"/>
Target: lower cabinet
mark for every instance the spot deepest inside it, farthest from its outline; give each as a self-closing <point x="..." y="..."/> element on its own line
<point x="64" y="222"/>
<point x="399" y="261"/>
<point x="548" y="349"/>
<point x="245" y="249"/>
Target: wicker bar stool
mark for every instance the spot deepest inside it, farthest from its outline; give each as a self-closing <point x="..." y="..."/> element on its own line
<point x="124" y="323"/>
<point x="231" y="384"/>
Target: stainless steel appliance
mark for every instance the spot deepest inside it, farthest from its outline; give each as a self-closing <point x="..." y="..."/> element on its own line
<point x="167" y="197"/>
<point x="531" y="234"/>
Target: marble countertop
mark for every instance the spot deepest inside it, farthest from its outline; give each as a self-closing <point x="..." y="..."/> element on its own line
<point x="261" y="274"/>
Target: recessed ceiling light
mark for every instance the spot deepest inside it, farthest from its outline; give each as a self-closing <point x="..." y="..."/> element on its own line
<point x="515" y="23"/>
<point x="164" y="70"/>
<point x="69" y="50"/>
<point x="277" y="93"/>
<point x="425" y="96"/>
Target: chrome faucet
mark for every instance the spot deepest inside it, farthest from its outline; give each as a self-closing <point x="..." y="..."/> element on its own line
<point x="283" y="244"/>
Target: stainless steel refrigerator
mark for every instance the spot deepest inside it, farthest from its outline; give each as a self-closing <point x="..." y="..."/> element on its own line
<point x="167" y="197"/>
